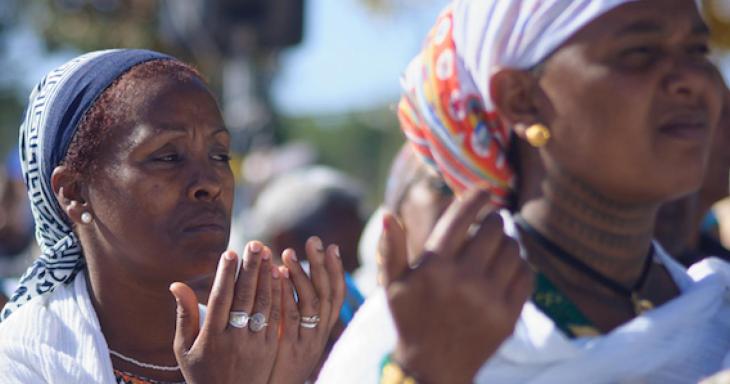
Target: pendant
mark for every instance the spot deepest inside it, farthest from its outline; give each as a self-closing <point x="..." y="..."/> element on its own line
<point x="640" y="305"/>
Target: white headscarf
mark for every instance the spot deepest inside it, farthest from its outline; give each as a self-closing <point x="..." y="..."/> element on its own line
<point x="491" y="35"/>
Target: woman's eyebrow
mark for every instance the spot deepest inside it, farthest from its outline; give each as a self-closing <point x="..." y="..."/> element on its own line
<point x="652" y="27"/>
<point x="168" y="127"/>
<point x="173" y="128"/>
<point x="641" y="27"/>
<point x="220" y="130"/>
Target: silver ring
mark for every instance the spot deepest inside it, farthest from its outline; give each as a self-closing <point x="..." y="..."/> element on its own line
<point x="310" y="319"/>
<point x="238" y="319"/>
<point x="309" y="322"/>
<point x="257" y="322"/>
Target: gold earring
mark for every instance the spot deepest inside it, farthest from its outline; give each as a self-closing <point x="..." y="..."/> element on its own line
<point x="537" y="135"/>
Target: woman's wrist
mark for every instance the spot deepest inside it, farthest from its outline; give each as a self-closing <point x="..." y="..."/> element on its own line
<point x="427" y="366"/>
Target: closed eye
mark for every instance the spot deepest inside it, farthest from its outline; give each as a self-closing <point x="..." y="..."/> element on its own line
<point x="698" y="49"/>
<point x="639" y="57"/>
<point x="172" y="157"/>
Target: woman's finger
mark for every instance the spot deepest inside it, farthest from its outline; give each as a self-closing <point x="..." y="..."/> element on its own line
<point x="308" y="302"/>
<point x="505" y="265"/>
<point x="319" y="276"/>
<point x="247" y="281"/>
<point x="289" y="310"/>
<point x="272" y="331"/>
<point x="482" y="248"/>
<point x="221" y="295"/>
<point x="452" y="229"/>
<point x="333" y="263"/>
<point x="187" y="323"/>
<point x="393" y="253"/>
<point x="262" y="303"/>
<point x="520" y="287"/>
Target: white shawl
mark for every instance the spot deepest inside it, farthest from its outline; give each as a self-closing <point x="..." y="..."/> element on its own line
<point x="55" y="338"/>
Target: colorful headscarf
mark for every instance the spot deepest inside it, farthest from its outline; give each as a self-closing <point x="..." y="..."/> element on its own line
<point x="446" y="111"/>
<point x="55" y="108"/>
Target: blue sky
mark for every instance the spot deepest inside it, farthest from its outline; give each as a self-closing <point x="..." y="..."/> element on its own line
<point x="351" y="58"/>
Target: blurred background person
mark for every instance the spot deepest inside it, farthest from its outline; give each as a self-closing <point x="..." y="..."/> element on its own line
<point x="417" y="195"/>
<point x="305" y="202"/>
<point x="17" y="245"/>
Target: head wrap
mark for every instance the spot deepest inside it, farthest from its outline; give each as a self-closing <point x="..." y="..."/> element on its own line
<point x="55" y="108"/>
<point x="446" y="111"/>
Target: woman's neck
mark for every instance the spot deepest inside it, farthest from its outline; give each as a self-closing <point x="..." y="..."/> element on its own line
<point x="611" y="237"/>
<point x="137" y="318"/>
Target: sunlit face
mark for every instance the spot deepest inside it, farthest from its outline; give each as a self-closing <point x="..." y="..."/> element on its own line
<point x="632" y="101"/>
<point x="163" y="196"/>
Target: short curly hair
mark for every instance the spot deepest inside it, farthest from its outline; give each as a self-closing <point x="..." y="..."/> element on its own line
<point x="114" y="107"/>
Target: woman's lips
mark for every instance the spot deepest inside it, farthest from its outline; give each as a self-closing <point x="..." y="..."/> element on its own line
<point x="206" y="222"/>
<point x="694" y="127"/>
<point x="201" y="228"/>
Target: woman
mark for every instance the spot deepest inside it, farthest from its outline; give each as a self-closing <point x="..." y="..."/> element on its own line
<point x="125" y="156"/>
<point x="619" y="101"/>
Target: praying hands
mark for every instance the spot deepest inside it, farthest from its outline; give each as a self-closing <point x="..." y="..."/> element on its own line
<point x="255" y="330"/>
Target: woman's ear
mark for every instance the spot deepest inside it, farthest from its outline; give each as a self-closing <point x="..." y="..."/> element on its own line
<point x="67" y="187"/>
<point x="513" y="94"/>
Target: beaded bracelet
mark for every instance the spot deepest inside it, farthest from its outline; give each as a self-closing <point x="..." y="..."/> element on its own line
<point x="392" y="373"/>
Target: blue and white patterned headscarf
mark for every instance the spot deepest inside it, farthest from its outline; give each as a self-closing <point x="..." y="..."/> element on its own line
<point x="55" y="108"/>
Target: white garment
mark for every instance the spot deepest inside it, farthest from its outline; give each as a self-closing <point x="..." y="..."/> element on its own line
<point x="680" y="342"/>
<point x="55" y="338"/>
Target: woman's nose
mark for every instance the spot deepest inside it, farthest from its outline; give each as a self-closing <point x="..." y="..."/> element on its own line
<point x="205" y="185"/>
<point x="690" y="79"/>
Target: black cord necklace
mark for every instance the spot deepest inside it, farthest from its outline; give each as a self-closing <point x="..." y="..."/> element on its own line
<point x="639" y="304"/>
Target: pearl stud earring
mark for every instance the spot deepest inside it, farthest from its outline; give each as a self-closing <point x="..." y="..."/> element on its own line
<point x="86" y="218"/>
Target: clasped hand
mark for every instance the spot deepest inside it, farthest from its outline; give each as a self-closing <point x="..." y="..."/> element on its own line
<point x="273" y="336"/>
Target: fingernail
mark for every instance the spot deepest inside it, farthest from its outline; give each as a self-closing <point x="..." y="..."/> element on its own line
<point x="337" y="251"/>
<point x="267" y="254"/>
<point x="293" y="255"/>
<point x="284" y="271"/>
<point x="229" y="256"/>
<point x="222" y="260"/>
<point x="254" y="247"/>
<point x="275" y="273"/>
<point x="177" y="301"/>
<point x="318" y="245"/>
